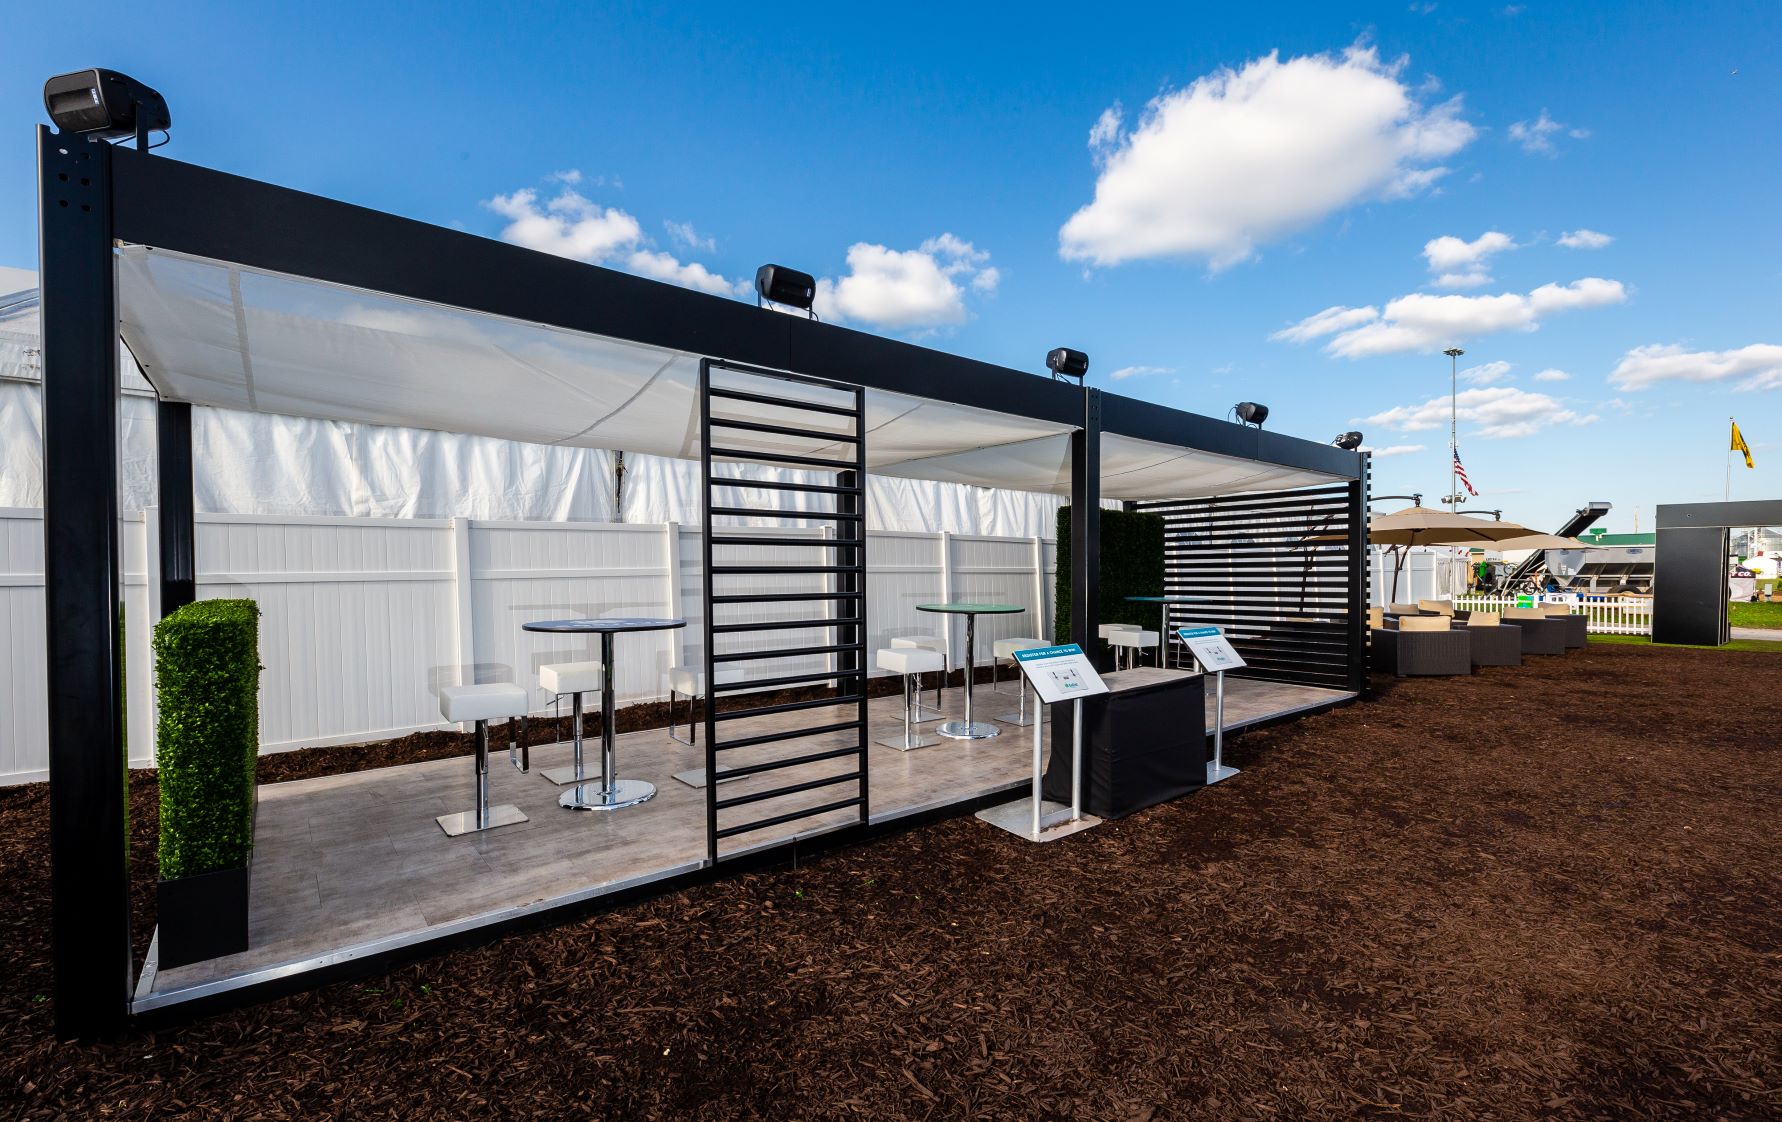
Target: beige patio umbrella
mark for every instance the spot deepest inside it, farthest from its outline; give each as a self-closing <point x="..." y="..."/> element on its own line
<point x="1419" y="525"/>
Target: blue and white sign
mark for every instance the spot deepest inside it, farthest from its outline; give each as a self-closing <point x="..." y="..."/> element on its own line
<point x="1211" y="648"/>
<point x="1060" y="673"/>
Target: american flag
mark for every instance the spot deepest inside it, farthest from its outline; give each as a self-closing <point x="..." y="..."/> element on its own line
<point x="1460" y="471"/>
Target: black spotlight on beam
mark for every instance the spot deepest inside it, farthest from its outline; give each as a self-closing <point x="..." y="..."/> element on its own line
<point x="1250" y="413"/>
<point x="1348" y="441"/>
<point x="1066" y="363"/>
<point x="777" y="284"/>
<point x="104" y="104"/>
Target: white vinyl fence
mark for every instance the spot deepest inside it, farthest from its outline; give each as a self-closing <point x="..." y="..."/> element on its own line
<point x="364" y="619"/>
<point x="1630" y="615"/>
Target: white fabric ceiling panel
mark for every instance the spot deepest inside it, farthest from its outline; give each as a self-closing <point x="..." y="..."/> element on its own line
<point x="213" y="334"/>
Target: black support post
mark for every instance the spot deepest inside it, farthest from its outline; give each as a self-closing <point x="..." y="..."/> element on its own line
<point x="176" y="528"/>
<point x="1085" y="527"/>
<point x="1358" y="580"/>
<point x="90" y="889"/>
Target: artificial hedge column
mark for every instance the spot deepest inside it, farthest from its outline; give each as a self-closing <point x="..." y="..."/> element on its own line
<point x="207" y="740"/>
<point x="1131" y="565"/>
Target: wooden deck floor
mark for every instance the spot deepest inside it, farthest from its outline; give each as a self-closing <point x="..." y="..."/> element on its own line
<point x="349" y="860"/>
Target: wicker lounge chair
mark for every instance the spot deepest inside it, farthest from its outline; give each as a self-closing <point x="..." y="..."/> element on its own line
<point x="1540" y="635"/>
<point x="1422" y="645"/>
<point x="1494" y="643"/>
<point x="1577" y="625"/>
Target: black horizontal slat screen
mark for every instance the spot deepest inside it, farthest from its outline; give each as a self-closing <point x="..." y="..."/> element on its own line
<point x="1284" y="573"/>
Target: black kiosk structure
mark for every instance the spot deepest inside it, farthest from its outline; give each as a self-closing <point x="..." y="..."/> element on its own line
<point x="238" y="294"/>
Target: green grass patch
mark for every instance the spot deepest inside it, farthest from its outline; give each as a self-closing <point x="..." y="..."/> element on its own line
<point x="1764" y="646"/>
<point x="1756" y="615"/>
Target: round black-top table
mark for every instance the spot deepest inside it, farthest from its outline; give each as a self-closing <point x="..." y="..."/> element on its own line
<point x="969" y="729"/>
<point x="608" y="793"/>
<point x="1163" y="603"/>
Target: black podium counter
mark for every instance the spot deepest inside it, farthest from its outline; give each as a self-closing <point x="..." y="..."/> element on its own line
<point x="1144" y="742"/>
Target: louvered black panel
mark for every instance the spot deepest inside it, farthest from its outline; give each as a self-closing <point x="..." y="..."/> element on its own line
<point x="1284" y="573"/>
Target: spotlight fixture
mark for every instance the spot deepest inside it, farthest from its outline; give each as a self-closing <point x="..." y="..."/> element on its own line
<point x="1066" y="363"/>
<point x="1348" y="441"/>
<point x="777" y="284"/>
<point x="104" y="103"/>
<point x="1250" y="413"/>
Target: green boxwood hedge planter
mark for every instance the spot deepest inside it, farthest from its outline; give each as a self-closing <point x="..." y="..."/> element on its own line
<point x="207" y="740"/>
<point x="1131" y="565"/>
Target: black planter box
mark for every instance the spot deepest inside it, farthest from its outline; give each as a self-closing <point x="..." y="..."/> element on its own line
<point x="201" y="917"/>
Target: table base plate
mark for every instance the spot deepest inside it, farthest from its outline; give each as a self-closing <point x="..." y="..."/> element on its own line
<point x="1055" y="822"/>
<point x="917" y="740"/>
<point x="591" y="796"/>
<point x="959" y="730"/>
<point x="1217" y="772"/>
<point x="563" y="776"/>
<point x="464" y="822"/>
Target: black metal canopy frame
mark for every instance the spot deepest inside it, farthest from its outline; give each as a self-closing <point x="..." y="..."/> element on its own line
<point x="1689" y="603"/>
<point x="94" y="197"/>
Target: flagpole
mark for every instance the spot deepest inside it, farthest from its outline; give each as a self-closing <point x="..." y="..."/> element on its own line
<point x="1728" y="496"/>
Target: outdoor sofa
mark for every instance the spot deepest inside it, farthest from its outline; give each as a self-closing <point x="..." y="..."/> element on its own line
<point x="1493" y="642"/>
<point x="1422" y="645"/>
<point x="1541" y="634"/>
<point x="1577" y="625"/>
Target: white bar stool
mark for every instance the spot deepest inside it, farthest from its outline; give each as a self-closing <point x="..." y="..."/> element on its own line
<point x="939" y="646"/>
<point x="1006" y="648"/>
<point x="908" y="662"/>
<point x="1132" y="643"/>
<point x="689" y="682"/>
<point x="574" y="679"/>
<point x="481" y="704"/>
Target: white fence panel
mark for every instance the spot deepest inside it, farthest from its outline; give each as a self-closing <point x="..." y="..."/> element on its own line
<point x="364" y="619"/>
<point x="1608" y="616"/>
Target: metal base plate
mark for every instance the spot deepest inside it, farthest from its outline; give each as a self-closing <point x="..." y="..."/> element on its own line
<point x="591" y="796"/>
<point x="1015" y="719"/>
<point x="1055" y="820"/>
<point x="959" y="730"/>
<point x="1217" y="773"/>
<point x="915" y="741"/>
<point x="695" y="777"/>
<point x="923" y="714"/>
<point x="563" y="776"/>
<point x="464" y="822"/>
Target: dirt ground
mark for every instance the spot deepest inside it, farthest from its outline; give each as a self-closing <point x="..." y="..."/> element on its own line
<point x="1545" y="892"/>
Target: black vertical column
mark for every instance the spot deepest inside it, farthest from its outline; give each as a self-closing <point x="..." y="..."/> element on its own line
<point x="1085" y="526"/>
<point x="1358" y="598"/>
<point x="176" y="528"/>
<point x="90" y="890"/>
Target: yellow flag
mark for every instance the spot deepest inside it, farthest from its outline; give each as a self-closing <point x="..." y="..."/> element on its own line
<point x="1739" y="445"/>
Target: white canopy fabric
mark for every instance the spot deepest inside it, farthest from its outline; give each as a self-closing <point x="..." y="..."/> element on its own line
<point x="211" y="333"/>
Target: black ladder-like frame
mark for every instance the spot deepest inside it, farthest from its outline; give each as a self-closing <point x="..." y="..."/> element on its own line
<point x="841" y="608"/>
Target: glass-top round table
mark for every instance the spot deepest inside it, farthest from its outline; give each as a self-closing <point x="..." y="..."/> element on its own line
<point x="607" y="792"/>
<point x="969" y="729"/>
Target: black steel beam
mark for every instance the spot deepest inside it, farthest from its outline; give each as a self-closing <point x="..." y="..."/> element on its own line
<point x="89" y="870"/>
<point x="190" y="209"/>
<point x="1359" y="592"/>
<point x="176" y="522"/>
<point x="1733" y="516"/>
<point x="1085" y="527"/>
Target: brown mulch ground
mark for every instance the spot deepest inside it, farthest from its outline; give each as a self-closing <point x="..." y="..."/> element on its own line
<point x="1552" y="892"/>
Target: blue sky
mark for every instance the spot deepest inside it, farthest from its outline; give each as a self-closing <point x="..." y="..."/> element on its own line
<point x="1232" y="173"/>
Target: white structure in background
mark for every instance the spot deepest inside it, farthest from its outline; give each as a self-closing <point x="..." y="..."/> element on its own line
<point x="1425" y="572"/>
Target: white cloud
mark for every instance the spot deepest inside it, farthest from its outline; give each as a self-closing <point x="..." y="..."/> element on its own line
<point x="1537" y="135"/>
<point x="1486" y="373"/>
<point x="1552" y="375"/>
<point x="1392" y="450"/>
<point x="1758" y="366"/>
<point x="1584" y="239"/>
<point x="1499" y="411"/>
<point x="1243" y="157"/>
<point x="1422" y="322"/>
<point x="570" y="225"/>
<point x="1126" y="372"/>
<point x="1464" y="264"/>
<point x="571" y="176"/>
<point x="1328" y="322"/>
<point x="684" y="235"/>
<point x="911" y="288"/>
